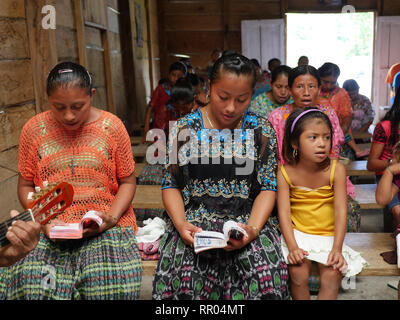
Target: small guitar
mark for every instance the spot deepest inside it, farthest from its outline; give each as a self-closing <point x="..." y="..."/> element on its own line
<point x="46" y="204"/>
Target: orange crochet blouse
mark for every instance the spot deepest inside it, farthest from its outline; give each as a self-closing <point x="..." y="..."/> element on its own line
<point x="91" y="159"/>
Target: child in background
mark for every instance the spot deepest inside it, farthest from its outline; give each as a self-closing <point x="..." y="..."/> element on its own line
<point x="312" y="206"/>
<point x="90" y="149"/>
<point x="181" y="102"/>
<point x="161" y="95"/>
<point x="385" y="136"/>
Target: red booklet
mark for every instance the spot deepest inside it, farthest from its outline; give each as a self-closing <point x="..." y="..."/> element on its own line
<point x="75" y="230"/>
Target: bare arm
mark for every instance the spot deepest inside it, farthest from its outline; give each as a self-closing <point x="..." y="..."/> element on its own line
<point x="173" y="203"/>
<point x="335" y="258"/>
<point x="386" y="190"/>
<point x="374" y="163"/>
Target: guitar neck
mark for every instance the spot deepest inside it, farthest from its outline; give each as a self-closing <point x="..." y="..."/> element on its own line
<point x="25" y="216"/>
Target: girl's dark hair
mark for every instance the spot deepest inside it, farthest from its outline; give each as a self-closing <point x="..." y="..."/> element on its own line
<point x="271" y="61"/>
<point x="234" y="63"/>
<point x="178" y="65"/>
<point x="282" y="69"/>
<point x="393" y="115"/>
<point x="68" y="74"/>
<point x="193" y="79"/>
<point x="329" y="69"/>
<point x="290" y="138"/>
<point x="302" y="70"/>
<point x="256" y="63"/>
<point x="351" y="85"/>
<point x="182" y="91"/>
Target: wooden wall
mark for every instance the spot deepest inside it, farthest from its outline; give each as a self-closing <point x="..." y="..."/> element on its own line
<point x="195" y="28"/>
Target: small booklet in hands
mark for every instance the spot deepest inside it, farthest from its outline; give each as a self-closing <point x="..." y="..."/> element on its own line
<point x="75" y="230"/>
<point x="206" y="240"/>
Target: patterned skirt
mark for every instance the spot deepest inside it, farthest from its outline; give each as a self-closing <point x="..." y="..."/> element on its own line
<point x="104" y="267"/>
<point x="257" y="271"/>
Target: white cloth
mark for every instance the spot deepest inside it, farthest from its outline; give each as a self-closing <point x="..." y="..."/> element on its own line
<point x="153" y="229"/>
<point x="319" y="248"/>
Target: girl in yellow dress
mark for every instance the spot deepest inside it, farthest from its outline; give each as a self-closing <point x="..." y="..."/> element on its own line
<point x="312" y="206"/>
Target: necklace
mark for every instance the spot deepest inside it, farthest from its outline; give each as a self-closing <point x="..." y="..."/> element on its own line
<point x="212" y="125"/>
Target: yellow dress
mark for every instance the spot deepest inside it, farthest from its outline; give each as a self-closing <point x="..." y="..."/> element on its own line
<point x="312" y="210"/>
<point x="313" y="220"/>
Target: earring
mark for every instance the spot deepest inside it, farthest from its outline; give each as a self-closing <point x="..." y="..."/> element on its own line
<point x="294" y="153"/>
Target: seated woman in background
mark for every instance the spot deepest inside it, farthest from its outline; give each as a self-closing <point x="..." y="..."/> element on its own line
<point x="337" y="98"/>
<point x="278" y="96"/>
<point x="263" y="82"/>
<point x="363" y="113"/>
<point x="395" y="87"/>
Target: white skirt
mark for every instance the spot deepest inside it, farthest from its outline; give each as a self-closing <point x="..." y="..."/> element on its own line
<point x="319" y="248"/>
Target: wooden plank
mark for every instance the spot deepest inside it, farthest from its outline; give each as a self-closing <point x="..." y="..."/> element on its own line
<point x="139" y="150"/>
<point x="107" y="69"/>
<point x="66" y="17"/>
<point x="136" y="140"/>
<point x="80" y="31"/>
<point x="148" y="197"/>
<point x="13" y="39"/>
<point x="370" y="245"/>
<point x="361" y="135"/>
<point x="358" y="168"/>
<point x="202" y="7"/>
<point x="14" y="118"/>
<point x="95" y="11"/>
<point x="365" y="195"/>
<point x="9" y="157"/>
<point x="67" y="45"/>
<point x="211" y="22"/>
<point x="149" y="267"/>
<point x="364" y="146"/>
<point x="42" y="44"/>
<point x="9" y="197"/>
<point x="138" y="168"/>
<point x="12" y="8"/>
<point x="16" y="83"/>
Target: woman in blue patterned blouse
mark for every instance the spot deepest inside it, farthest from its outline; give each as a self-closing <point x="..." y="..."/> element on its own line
<point x="223" y="168"/>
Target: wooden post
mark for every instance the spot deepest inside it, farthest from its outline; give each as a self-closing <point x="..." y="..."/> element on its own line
<point x="42" y="46"/>
<point x="162" y="38"/>
<point x="225" y="23"/>
<point x="107" y="69"/>
<point x="80" y="32"/>
<point x="150" y="46"/>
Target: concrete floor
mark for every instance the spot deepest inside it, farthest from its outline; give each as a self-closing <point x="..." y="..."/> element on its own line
<point x="364" y="288"/>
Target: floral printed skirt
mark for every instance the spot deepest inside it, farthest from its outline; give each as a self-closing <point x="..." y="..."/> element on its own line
<point x="257" y="271"/>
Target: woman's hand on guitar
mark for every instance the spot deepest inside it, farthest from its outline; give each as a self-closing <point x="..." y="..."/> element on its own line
<point x="23" y="237"/>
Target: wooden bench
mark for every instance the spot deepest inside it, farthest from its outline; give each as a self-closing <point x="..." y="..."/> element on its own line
<point x="148" y="197"/>
<point x="370" y="245"/>
<point x="364" y="146"/>
<point x="139" y="152"/>
<point x="138" y="168"/>
<point x="365" y="195"/>
<point x="136" y="140"/>
<point x="358" y="168"/>
<point x="361" y="135"/>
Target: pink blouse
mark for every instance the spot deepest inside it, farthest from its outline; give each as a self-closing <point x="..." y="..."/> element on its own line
<point x="278" y="119"/>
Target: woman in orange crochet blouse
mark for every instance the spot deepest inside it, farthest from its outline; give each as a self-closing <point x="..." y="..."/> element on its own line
<point x="90" y="149"/>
